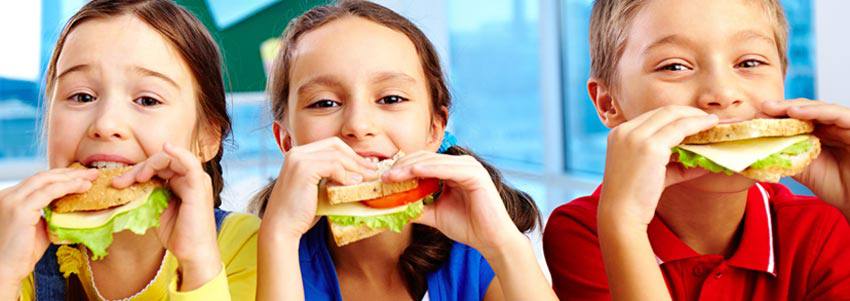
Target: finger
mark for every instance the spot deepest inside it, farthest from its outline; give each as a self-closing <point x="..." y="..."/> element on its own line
<point x="833" y="136"/>
<point x="183" y="162"/>
<point x="465" y="174"/>
<point x="43" y="179"/>
<point x="129" y="177"/>
<point x="823" y="114"/>
<point x="663" y="117"/>
<point x="42" y="197"/>
<point x="780" y="107"/>
<point x="345" y="149"/>
<point x="152" y="165"/>
<point x="673" y="133"/>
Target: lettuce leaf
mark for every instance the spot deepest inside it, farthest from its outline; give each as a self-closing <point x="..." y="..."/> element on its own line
<point x="392" y="221"/>
<point x="98" y="239"/>
<point x="691" y="159"/>
<point x="780" y="159"/>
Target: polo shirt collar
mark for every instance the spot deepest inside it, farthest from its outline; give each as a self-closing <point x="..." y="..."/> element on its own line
<point x="755" y="251"/>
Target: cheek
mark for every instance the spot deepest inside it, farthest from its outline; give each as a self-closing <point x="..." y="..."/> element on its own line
<point x="64" y="133"/>
<point x="309" y="129"/>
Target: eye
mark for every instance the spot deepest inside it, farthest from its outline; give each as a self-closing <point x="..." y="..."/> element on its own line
<point x="674" y="67"/>
<point x="392" y="99"/>
<point x="81" y="98"/>
<point x="323" y="104"/>
<point x="750" y="64"/>
<point x="146" y="101"/>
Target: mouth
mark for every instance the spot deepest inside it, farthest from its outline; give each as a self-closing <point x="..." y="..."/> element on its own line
<point x="100" y="161"/>
<point x="373" y="156"/>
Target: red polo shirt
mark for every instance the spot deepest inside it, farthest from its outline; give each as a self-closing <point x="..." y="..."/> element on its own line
<point x="791" y="248"/>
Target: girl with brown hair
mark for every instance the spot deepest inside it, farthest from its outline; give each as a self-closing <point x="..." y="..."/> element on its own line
<point x="352" y="81"/>
<point x="132" y="82"/>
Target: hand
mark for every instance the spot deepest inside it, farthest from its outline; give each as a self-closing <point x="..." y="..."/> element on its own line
<point x="23" y="233"/>
<point x="833" y="164"/>
<point x="187" y="227"/>
<point x="470" y="209"/>
<point x="638" y="168"/>
<point x="291" y="208"/>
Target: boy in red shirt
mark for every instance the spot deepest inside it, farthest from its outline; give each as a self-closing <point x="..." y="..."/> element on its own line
<point x="654" y="230"/>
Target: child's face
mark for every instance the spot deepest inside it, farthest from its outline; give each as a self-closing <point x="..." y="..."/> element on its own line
<point x="719" y="56"/>
<point x="364" y="83"/>
<point x="121" y="92"/>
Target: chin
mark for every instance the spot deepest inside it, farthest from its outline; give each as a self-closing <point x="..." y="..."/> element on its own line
<point x="718" y="183"/>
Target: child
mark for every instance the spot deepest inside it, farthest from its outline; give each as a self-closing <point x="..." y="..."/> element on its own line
<point x="666" y="69"/>
<point x="136" y="83"/>
<point x="356" y="80"/>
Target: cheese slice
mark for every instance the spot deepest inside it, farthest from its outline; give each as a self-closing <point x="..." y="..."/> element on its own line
<point x="325" y="208"/>
<point x="94" y="219"/>
<point x="738" y="155"/>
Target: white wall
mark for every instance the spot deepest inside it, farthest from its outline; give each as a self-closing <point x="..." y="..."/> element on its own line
<point x="833" y="50"/>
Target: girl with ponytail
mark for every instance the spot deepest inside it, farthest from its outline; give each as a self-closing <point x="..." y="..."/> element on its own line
<point x="355" y="80"/>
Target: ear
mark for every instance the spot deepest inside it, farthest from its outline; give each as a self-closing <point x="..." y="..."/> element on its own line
<point x="281" y="137"/>
<point x="606" y="107"/>
<point x="438" y="130"/>
<point x="209" y="144"/>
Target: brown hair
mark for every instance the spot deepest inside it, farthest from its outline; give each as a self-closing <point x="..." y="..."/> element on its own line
<point x="609" y="25"/>
<point x="196" y="47"/>
<point x="429" y="248"/>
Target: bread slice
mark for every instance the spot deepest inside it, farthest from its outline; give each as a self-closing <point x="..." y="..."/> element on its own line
<point x="338" y="194"/>
<point x="798" y="163"/>
<point x="754" y="128"/>
<point x="344" y="235"/>
<point x="102" y="195"/>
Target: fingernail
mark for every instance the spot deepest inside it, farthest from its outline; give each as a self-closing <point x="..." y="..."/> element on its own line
<point x="355" y="178"/>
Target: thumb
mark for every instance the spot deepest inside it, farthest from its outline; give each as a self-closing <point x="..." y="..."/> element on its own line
<point x="678" y="173"/>
<point x="42" y="240"/>
<point x="428" y="217"/>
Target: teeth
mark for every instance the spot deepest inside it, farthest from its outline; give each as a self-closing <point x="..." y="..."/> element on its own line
<point x="107" y="164"/>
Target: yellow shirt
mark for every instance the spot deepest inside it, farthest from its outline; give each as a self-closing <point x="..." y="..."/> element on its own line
<point x="237" y="242"/>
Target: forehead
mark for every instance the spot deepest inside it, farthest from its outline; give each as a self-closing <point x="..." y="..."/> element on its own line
<point x="124" y="42"/>
<point x="700" y="19"/>
<point x="354" y="48"/>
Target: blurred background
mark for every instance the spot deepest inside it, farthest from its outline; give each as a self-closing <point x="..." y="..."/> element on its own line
<point x="517" y="69"/>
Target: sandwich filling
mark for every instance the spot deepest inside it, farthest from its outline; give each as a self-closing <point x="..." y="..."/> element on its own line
<point x="736" y="156"/>
<point x="94" y="228"/>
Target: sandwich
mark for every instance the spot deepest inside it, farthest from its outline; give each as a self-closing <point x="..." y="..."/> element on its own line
<point x="761" y="149"/>
<point x="359" y="211"/>
<point x="90" y="218"/>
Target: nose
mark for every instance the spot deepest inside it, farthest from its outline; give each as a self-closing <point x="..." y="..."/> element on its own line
<point x="720" y="91"/>
<point x="110" y="122"/>
<point x="360" y="120"/>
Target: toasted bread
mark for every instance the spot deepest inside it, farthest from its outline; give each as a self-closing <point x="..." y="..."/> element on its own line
<point x="754" y="128"/>
<point x="102" y="195"/>
<point x="798" y="163"/>
<point x="344" y="235"/>
<point x="338" y="194"/>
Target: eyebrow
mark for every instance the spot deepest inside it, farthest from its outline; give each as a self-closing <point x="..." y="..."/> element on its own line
<point x="77" y="68"/>
<point x="322" y="80"/>
<point x="393" y="76"/>
<point x="668" y="40"/>
<point x="752" y="35"/>
<point x="148" y="72"/>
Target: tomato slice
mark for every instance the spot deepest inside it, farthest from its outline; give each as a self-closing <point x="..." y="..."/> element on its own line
<point x="425" y="188"/>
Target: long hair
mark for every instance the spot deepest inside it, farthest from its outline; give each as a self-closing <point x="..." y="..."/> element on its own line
<point x="194" y="44"/>
<point x="429" y="248"/>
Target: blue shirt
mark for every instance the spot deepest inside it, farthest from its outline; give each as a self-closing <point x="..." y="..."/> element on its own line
<point x="466" y="275"/>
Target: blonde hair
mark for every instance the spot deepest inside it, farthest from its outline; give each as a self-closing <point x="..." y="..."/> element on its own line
<point x="610" y="21"/>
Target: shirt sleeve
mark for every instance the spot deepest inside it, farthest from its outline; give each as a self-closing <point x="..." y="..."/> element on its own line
<point x="237" y="243"/>
<point x="571" y="248"/>
<point x="830" y="274"/>
<point x="215" y="289"/>
<point x="27" y="291"/>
